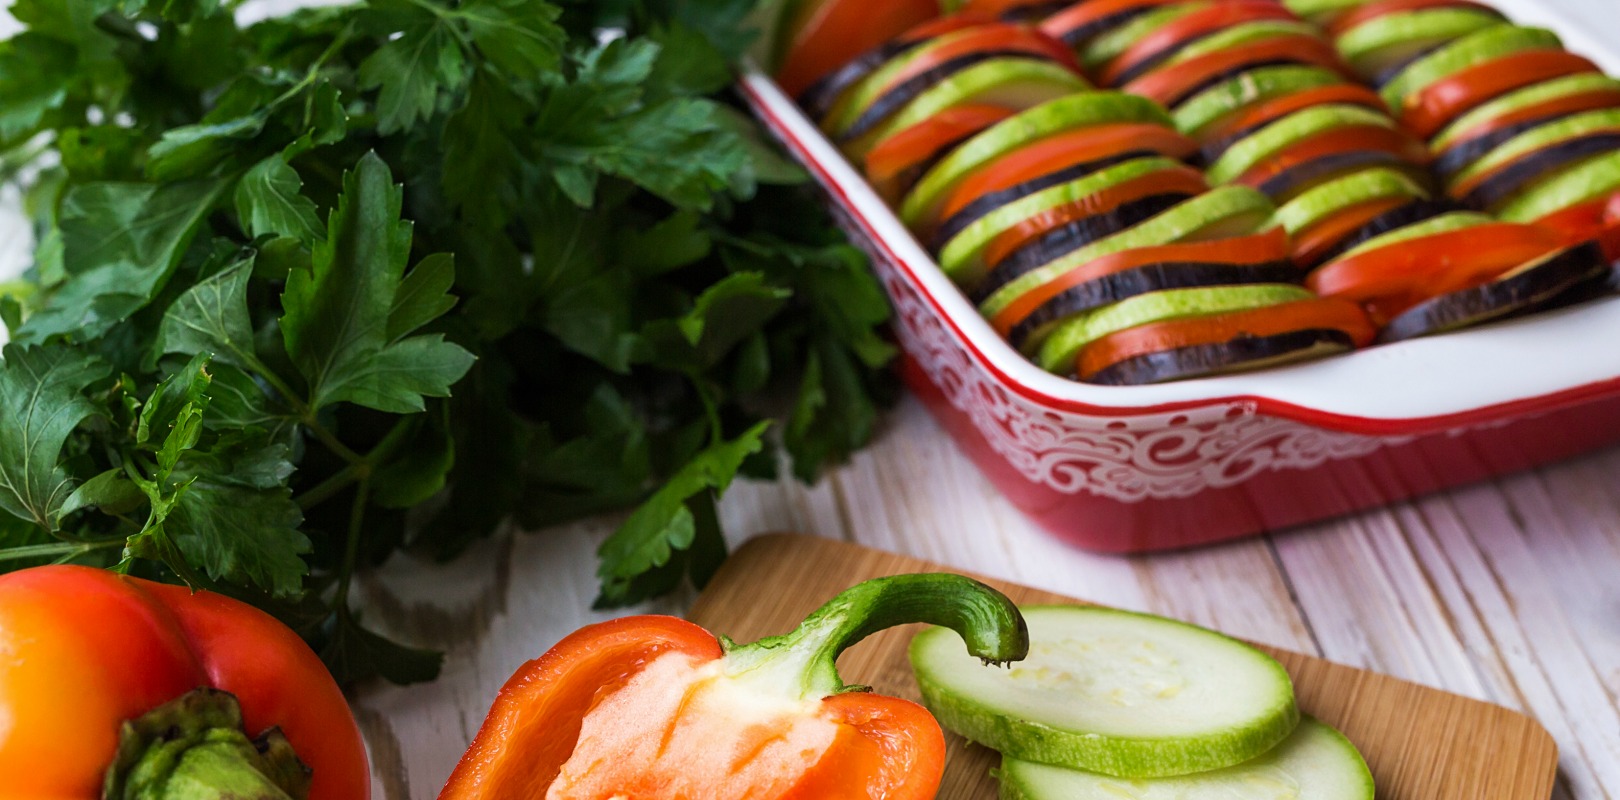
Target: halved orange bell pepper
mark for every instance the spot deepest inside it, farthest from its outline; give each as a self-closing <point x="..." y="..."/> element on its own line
<point x="656" y="708"/>
<point x="99" y="696"/>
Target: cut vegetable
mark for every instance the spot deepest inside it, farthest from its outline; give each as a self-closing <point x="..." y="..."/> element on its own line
<point x="1528" y="288"/>
<point x="1431" y="108"/>
<point x="1587" y="180"/>
<point x="1206" y="108"/>
<point x="819" y="36"/>
<point x="895" y="164"/>
<point x="1273" y="138"/>
<point x="1325" y="200"/>
<point x="1316" y="762"/>
<point x="1123" y="694"/>
<point x="1476" y="48"/>
<point x="922" y="206"/>
<point x="1060" y="350"/>
<point x="1376" y="45"/>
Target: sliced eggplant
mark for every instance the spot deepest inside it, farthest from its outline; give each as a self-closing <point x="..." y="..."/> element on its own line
<point x="1298" y="126"/>
<point x="1375" y="45"/>
<point x="1232" y="210"/>
<point x="1108" y="45"/>
<point x="1475" y="48"/>
<point x="897" y="97"/>
<point x="1256" y="86"/>
<point x="1072" y="237"/>
<point x="1235" y="72"/>
<point x="1382" y="77"/>
<point x="1392" y="220"/>
<point x="1606" y="120"/>
<point x="974" y="211"/>
<point x="1238" y="355"/>
<point x="1519" y="99"/>
<point x="1463" y="154"/>
<point x="1068" y="113"/>
<point x="1529" y="288"/>
<point x="1151" y="278"/>
<point x="1587" y="180"/>
<point x="1510" y="180"/>
<point x="1079" y="36"/>
<point x="818" y="100"/>
<point x="1328" y="199"/>
<point x="1295" y="180"/>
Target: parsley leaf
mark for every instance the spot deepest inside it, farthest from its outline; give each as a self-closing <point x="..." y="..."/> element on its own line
<point x="41" y="402"/>
<point x="337" y="313"/>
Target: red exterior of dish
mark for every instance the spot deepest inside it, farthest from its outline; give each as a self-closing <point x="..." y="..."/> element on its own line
<point x="1125" y="480"/>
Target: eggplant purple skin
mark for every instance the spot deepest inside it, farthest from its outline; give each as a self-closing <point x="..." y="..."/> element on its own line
<point x="1073" y="236"/>
<point x="890" y="102"/>
<point x="818" y="100"/>
<point x="1077" y="37"/>
<point x="1526" y="169"/>
<point x="1160" y="56"/>
<point x="1300" y="177"/>
<point x="1205" y="359"/>
<point x="1382" y="78"/>
<point x="1579" y="272"/>
<point x="1393" y="219"/>
<point x="904" y="182"/>
<point x="1212" y="150"/>
<point x="1457" y="157"/>
<point x="974" y="211"/>
<point x="1229" y="74"/>
<point x="1118" y="286"/>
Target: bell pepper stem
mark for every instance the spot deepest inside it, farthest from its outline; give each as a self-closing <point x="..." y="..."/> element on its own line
<point x="803" y="662"/>
<point x="195" y="748"/>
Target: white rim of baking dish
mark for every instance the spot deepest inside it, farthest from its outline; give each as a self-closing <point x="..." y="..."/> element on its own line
<point x="1478" y="375"/>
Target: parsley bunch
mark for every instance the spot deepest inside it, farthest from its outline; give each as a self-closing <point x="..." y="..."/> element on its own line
<point x="358" y="278"/>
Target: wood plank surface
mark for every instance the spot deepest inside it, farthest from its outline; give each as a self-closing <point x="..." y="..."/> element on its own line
<point x="1421" y="744"/>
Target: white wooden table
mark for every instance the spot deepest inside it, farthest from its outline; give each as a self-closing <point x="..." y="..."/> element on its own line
<point x="1507" y="591"/>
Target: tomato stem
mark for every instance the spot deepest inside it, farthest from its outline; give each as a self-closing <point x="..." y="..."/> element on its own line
<point x="195" y="748"/>
<point x="803" y="663"/>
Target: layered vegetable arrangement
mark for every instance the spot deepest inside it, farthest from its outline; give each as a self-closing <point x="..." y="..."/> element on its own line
<point x="1141" y="190"/>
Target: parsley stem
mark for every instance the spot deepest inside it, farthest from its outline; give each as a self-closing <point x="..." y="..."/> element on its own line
<point x="351" y="548"/>
<point x="306" y="413"/>
<point x="67" y="550"/>
<point x="331" y="486"/>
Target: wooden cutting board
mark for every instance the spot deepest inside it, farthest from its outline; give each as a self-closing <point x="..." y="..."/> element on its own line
<point x="1422" y="743"/>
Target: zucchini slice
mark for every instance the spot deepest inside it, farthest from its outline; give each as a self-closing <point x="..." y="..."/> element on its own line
<point x="1120" y="693"/>
<point x="1316" y="762"/>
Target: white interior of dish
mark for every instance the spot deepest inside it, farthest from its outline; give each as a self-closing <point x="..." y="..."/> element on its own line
<point x="1437" y="376"/>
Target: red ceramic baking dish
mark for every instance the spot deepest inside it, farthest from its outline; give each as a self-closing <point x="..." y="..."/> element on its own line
<point x="1141" y="468"/>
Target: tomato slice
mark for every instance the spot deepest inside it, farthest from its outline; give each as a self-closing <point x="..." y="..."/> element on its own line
<point x="1184" y="29"/>
<point x="1065" y="150"/>
<point x="1322" y="313"/>
<point x="997" y="9"/>
<point x="830" y="33"/>
<point x="893" y="157"/>
<point x="1347" y="139"/>
<point x="1000" y="38"/>
<point x="1428" y="110"/>
<point x="1258" y="248"/>
<point x="1170" y="85"/>
<point x="1370" y="11"/>
<point x="1276" y="108"/>
<point x="1313" y="242"/>
<point x="1399" y="275"/>
<point x="1595" y="219"/>
<point x="1165" y="181"/>
<point x="1558" y="106"/>
<point x="1076" y="17"/>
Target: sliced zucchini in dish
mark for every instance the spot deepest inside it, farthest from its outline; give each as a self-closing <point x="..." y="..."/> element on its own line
<point x="1315" y="762"/>
<point x="922" y="205"/>
<point x="825" y="95"/>
<point x="1123" y="694"/>
<point x="1324" y="200"/>
<point x="1377" y="44"/>
<point x="1110" y="44"/>
<point x="1220" y="213"/>
<point x="1476" y="48"/>
<point x="1491" y="189"/>
<point x="1059" y="351"/>
<point x="1543" y="137"/>
<point x="1233" y="95"/>
<point x="1272" y="139"/>
<point x="1010" y="82"/>
<point x="1588" y="180"/>
<point x="962" y="256"/>
<point x="1463" y="126"/>
<point x="1218" y="344"/>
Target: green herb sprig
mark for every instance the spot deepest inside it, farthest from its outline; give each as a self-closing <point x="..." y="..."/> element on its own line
<point x="384" y="275"/>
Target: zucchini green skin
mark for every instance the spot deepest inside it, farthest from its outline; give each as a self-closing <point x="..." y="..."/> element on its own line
<point x="1316" y="760"/>
<point x="1108" y="753"/>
